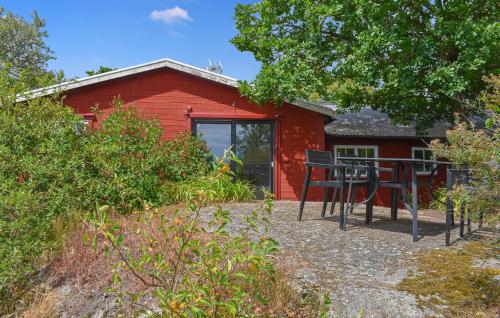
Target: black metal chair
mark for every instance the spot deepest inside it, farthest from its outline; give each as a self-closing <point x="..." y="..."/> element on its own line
<point x="355" y="190"/>
<point x="351" y="197"/>
<point x="394" y="183"/>
<point x="322" y="160"/>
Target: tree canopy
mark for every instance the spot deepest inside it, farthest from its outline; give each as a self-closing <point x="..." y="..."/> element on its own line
<point x="100" y="70"/>
<point x="414" y="60"/>
<point x="24" y="53"/>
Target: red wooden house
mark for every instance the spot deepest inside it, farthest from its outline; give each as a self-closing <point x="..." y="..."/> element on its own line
<point x="270" y="140"/>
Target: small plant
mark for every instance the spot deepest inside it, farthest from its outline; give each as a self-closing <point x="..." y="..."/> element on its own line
<point x="195" y="269"/>
<point x="194" y="273"/>
<point x="478" y="152"/>
<point x="439" y="201"/>
<point x="217" y="186"/>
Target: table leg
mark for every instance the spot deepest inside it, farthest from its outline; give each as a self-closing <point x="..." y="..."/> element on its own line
<point x="370" y="188"/>
<point x="414" y="187"/>
<point x="348" y="206"/>
<point x="326" y="192"/>
<point x="449" y="205"/>
<point x="469" y="229"/>
<point x="341" y="201"/>
<point x="394" y="195"/>
<point x="304" y="192"/>
<point x="462" y="219"/>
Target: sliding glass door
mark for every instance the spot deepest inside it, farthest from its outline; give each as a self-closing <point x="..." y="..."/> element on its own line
<point x="252" y="141"/>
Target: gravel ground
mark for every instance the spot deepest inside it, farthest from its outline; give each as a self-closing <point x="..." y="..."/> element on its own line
<point x="358" y="267"/>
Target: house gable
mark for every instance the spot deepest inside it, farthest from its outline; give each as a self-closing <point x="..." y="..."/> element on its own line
<point x="176" y="98"/>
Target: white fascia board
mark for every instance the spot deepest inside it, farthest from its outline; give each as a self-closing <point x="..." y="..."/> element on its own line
<point x="150" y="66"/>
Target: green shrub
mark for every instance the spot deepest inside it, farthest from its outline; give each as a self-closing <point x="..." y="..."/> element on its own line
<point x="50" y="166"/>
<point x="217" y="186"/>
<point x="126" y="162"/>
<point x="479" y="152"/>
<point x="38" y="143"/>
<point x="186" y="158"/>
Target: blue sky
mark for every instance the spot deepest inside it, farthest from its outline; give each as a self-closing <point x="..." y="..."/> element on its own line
<point x="120" y="33"/>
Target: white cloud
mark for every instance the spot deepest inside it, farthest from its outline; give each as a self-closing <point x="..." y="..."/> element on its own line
<point x="171" y="16"/>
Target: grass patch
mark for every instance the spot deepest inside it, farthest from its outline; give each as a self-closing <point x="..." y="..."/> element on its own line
<point x="457" y="282"/>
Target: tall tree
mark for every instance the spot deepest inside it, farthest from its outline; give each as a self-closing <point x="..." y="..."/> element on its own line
<point x="415" y="60"/>
<point x="100" y="70"/>
<point x="23" y="52"/>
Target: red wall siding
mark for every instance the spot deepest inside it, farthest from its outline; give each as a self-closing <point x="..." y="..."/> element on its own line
<point x="175" y="97"/>
<point x="389" y="148"/>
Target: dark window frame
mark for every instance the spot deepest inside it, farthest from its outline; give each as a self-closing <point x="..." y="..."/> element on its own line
<point x="235" y="122"/>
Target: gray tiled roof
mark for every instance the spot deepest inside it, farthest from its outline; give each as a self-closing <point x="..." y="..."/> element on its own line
<point x="369" y="123"/>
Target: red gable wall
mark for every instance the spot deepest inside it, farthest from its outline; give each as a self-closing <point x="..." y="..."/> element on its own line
<point x="175" y="98"/>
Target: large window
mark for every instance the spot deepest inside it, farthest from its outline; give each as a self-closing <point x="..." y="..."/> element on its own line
<point x="253" y="143"/>
<point x="355" y="151"/>
<point x="423" y="154"/>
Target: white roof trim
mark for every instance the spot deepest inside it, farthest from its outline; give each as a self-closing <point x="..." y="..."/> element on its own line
<point x="150" y="66"/>
<point x="318" y="108"/>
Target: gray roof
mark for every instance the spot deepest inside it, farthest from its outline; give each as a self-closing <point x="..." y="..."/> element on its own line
<point x="155" y="65"/>
<point x="369" y="123"/>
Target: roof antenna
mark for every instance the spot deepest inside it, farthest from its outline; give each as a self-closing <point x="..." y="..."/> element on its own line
<point x="215" y="67"/>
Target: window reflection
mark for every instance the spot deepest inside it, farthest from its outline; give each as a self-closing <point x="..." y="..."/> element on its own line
<point x="216" y="136"/>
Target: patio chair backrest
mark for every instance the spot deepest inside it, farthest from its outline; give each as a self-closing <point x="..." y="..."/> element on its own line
<point x="358" y="166"/>
<point x="316" y="158"/>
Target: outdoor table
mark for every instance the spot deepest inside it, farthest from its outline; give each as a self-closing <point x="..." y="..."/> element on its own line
<point x="409" y="165"/>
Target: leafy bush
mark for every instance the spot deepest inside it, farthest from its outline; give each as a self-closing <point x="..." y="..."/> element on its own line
<point x="186" y="158"/>
<point x="38" y="144"/>
<point x="192" y="270"/>
<point x="127" y="162"/>
<point x="218" y="186"/>
<point x="478" y="151"/>
<point x="51" y="167"/>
